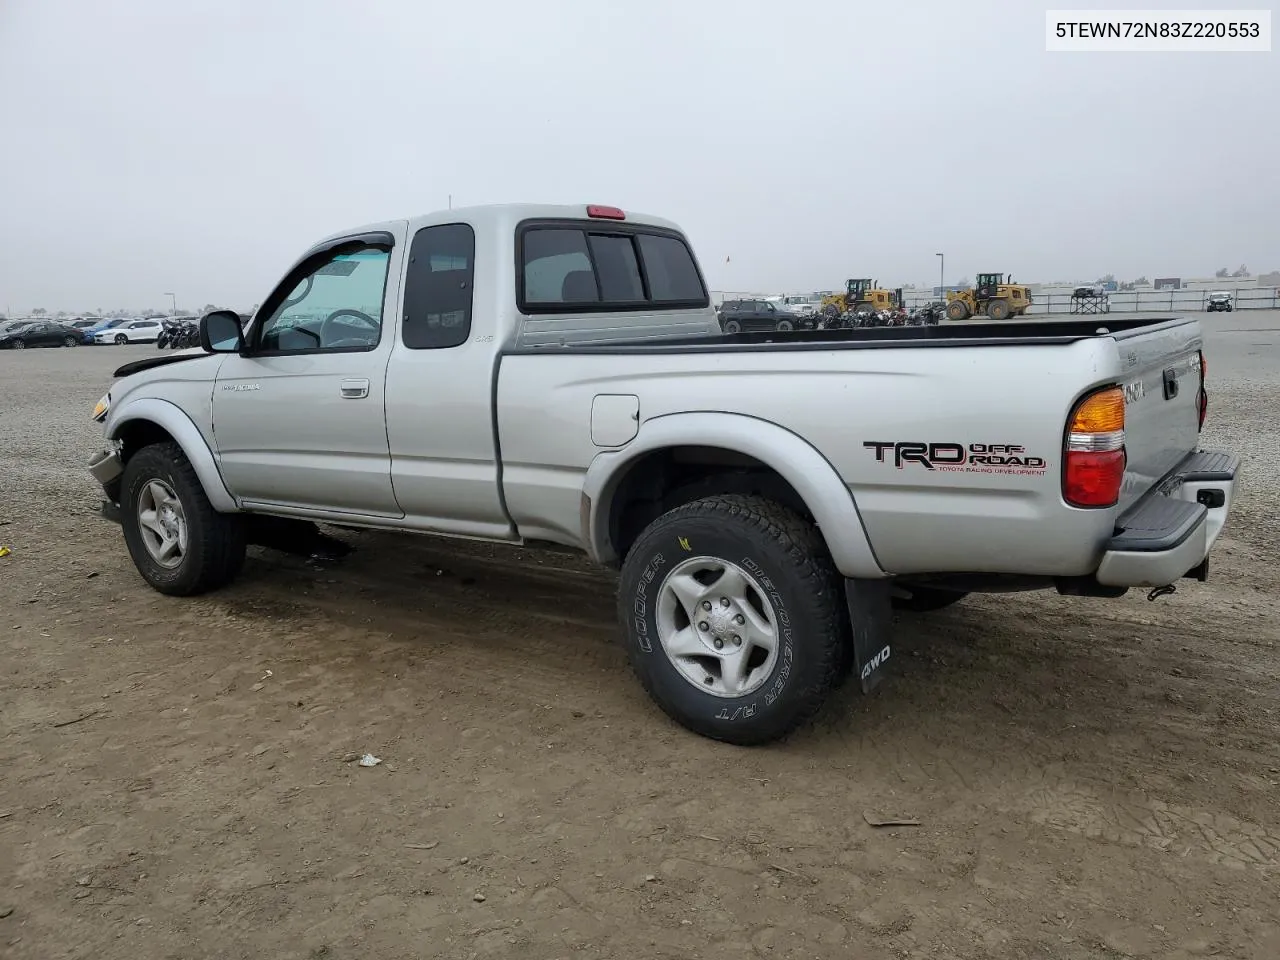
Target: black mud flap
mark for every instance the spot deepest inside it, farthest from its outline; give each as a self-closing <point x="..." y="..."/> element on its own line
<point x="871" y="620"/>
<point x="111" y="511"/>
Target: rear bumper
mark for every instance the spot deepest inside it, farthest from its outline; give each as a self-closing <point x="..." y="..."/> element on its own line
<point x="1168" y="534"/>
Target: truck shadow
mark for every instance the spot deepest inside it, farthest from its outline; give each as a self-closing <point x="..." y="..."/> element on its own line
<point x="994" y="672"/>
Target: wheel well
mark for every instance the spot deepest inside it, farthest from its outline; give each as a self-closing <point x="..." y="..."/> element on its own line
<point x="665" y="479"/>
<point x="136" y="434"/>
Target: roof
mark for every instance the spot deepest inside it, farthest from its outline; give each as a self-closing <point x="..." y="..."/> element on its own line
<point x="500" y="217"/>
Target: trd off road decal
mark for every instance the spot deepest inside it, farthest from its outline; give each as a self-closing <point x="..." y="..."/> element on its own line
<point x="1008" y="458"/>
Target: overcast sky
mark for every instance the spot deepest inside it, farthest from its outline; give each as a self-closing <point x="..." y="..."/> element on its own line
<point x="197" y="147"/>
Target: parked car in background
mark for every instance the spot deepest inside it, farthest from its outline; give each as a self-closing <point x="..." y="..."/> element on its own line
<point x="737" y="316"/>
<point x="90" y="335"/>
<point x="800" y="306"/>
<point x="130" y="331"/>
<point x="37" y="333"/>
<point x="1219" y="301"/>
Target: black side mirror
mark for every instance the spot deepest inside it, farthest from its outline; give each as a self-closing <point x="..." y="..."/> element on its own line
<point x="220" y="332"/>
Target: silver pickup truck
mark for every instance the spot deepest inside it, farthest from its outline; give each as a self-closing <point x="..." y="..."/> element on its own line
<point x="532" y="374"/>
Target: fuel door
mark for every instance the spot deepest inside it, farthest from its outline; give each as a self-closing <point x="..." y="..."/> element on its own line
<point x="615" y="419"/>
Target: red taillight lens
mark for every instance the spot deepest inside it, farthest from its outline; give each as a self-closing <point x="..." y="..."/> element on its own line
<point x="1094" y="459"/>
<point x="1202" y="398"/>
<point x="1093" y="479"/>
<point x="598" y="212"/>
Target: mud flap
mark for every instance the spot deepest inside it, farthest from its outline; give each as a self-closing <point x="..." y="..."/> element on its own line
<point x="871" y="620"/>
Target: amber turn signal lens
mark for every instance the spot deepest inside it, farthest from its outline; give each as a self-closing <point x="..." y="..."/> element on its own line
<point x="1102" y="412"/>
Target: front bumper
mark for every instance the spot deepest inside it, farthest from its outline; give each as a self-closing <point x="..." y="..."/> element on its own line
<point x="1168" y="534"/>
<point x="106" y="467"/>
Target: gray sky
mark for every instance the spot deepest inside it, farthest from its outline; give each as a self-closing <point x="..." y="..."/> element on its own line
<point x="198" y="147"/>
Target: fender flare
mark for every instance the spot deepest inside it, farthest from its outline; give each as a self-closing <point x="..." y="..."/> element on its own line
<point x="791" y="456"/>
<point x="180" y="426"/>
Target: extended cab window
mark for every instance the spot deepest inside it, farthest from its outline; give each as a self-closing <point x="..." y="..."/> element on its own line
<point x="336" y="306"/>
<point x="585" y="267"/>
<point x="438" y="284"/>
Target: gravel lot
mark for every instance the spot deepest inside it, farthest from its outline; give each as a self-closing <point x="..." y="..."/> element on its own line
<point x="1092" y="778"/>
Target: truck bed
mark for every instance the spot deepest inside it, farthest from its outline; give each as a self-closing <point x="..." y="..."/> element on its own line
<point x="1045" y="332"/>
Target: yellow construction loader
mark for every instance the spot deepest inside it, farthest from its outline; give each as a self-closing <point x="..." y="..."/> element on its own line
<point x="861" y="294"/>
<point x="990" y="297"/>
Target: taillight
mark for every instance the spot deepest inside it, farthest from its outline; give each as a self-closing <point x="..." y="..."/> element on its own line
<point x="1202" y="398"/>
<point x="1094" y="461"/>
<point x="598" y="212"/>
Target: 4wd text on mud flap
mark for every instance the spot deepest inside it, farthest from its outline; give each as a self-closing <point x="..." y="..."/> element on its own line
<point x="977" y="456"/>
<point x="875" y="662"/>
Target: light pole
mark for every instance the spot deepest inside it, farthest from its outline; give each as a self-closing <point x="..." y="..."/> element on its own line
<point x="942" y="272"/>
<point x="175" y="302"/>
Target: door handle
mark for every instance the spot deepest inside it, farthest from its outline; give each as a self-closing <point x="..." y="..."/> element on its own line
<point x="354" y="389"/>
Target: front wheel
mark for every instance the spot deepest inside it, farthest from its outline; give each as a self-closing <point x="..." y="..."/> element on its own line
<point x="121" y="339"/>
<point x="957" y="310"/>
<point x="178" y="542"/>
<point x="19" y="345"/>
<point x="733" y="620"/>
<point x="784" y="326"/>
<point x="732" y="326"/>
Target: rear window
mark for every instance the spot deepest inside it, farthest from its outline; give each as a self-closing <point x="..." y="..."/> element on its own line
<point x="567" y="267"/>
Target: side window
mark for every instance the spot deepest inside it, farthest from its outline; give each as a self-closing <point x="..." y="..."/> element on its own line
<point x="438" y="287"/>
<point x="668" y="264"/>
<point x="616" y="266"/>
<point x="337" y="306"/>
<point x="557" y="267"/>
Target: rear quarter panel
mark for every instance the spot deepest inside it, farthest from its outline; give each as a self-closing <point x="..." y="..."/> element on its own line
<point x="921" y="516"/>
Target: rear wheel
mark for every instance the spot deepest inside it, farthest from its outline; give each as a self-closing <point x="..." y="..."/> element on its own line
<point x="732" y="614"/>
<point x="178" y="542"/>
<point x="19" y="345"/>
<point x="121" y="339"/>
<point x="957" y="310"/>
<point x="998" y="309"/>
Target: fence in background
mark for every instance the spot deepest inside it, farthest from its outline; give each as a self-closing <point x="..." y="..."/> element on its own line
<point x="1139" y="301"/>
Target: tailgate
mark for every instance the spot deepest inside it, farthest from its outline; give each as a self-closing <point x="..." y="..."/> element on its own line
<point x="1161" y="381"/>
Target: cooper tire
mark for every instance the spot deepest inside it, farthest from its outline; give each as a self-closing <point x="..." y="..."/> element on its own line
<point x="928" y="599"/>
<point x="797" y="585"/>
<point x="215" y="542"/>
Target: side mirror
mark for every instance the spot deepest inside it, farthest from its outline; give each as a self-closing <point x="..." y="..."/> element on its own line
<point x="220" y="332"/>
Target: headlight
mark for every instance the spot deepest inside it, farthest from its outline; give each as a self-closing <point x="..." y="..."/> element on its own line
<point x="100" y="410"/>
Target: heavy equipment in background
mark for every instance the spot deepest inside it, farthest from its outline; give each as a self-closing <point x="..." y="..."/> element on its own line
<point x="989" y="297"/>
<point x="861" y="294"/>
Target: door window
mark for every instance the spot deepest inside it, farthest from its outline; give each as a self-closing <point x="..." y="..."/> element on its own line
<point x="336" y="306"/>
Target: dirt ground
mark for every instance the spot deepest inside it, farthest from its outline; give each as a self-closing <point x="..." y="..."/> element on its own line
<point x="1092" y="778"/>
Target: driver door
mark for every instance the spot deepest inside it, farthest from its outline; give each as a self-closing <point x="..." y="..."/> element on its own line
<point x="299" y="420"/>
